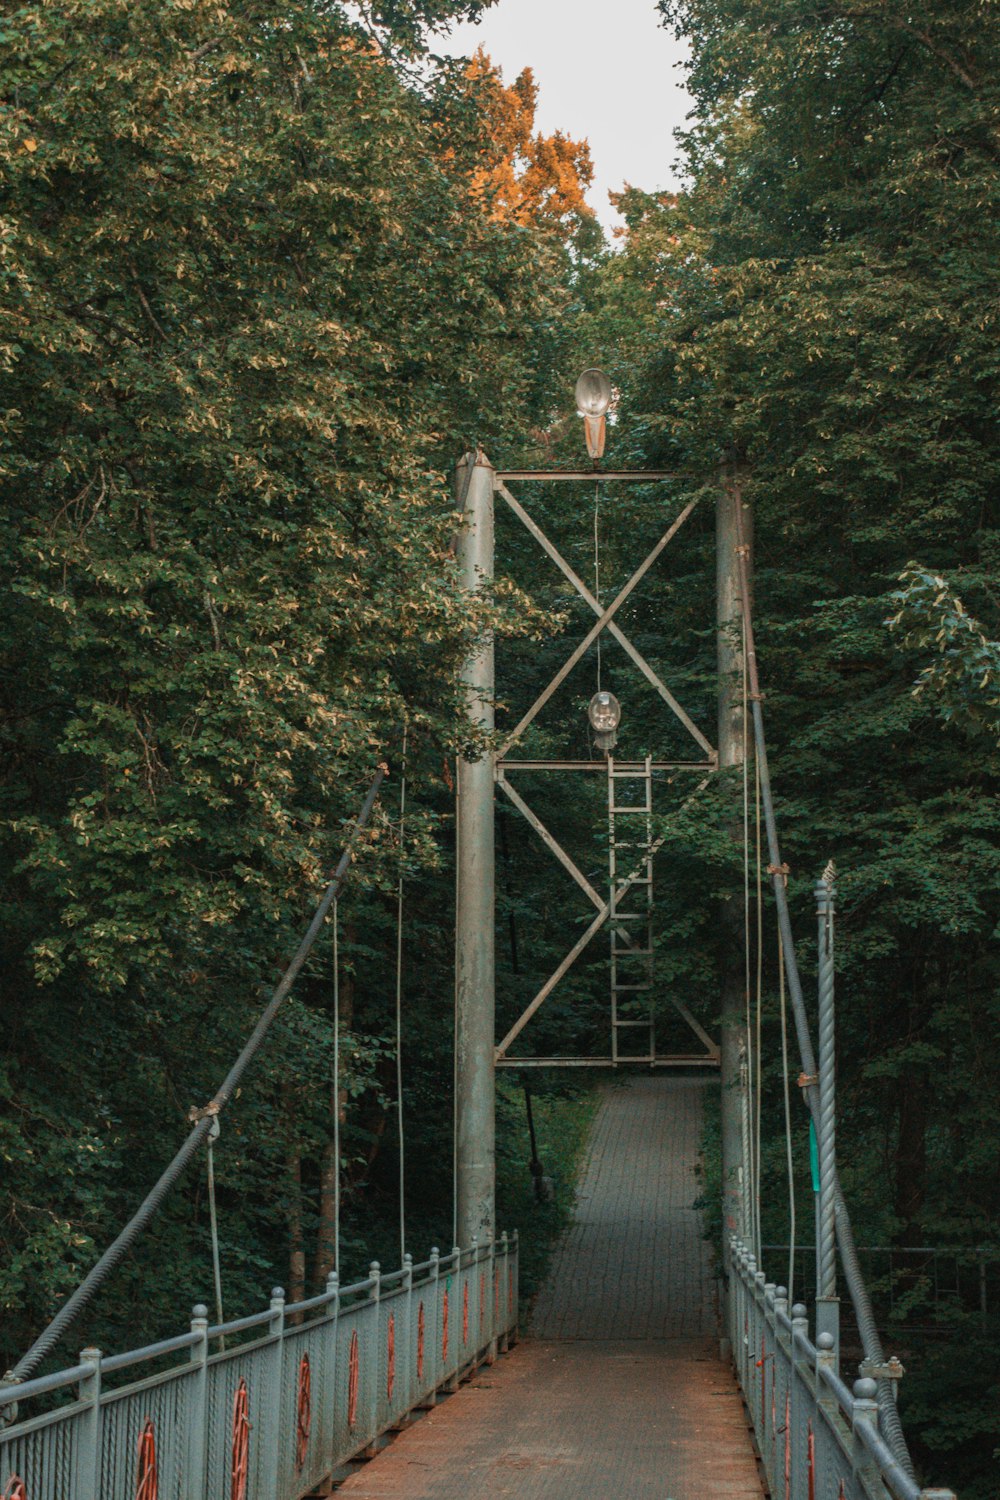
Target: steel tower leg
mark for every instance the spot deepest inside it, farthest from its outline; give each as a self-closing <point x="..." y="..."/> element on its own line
<point x="732" y="753"/>
<point x="474" y="957"/>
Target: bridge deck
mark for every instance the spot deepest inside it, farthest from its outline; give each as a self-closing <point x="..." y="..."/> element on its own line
<point x="618" y="1390"/>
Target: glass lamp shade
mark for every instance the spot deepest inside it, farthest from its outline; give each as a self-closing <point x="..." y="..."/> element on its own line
<point x="604" y="712"/>
<point x="593" y="393"/>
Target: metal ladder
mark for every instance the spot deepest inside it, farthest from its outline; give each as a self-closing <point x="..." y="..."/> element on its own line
<point x="631" y="914"/>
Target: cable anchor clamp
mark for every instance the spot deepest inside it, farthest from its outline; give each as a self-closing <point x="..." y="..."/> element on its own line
<point x="889" y="1369"/>
<point x="195" y="1115"/>
<point x="743" y="550"/>
<point x="808" y="1080"/>
<point x="781" y="870"/>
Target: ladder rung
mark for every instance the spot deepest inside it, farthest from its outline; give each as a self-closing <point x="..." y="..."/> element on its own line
<point x="632" y="989"/>
<point x="647" y="1023"/>
<point x="624" y="811"/>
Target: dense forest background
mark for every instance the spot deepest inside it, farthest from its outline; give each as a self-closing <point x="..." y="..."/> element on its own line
<point x="264" y="279"/>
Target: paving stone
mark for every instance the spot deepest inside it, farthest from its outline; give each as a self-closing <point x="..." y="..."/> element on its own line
<point x="618" y="1390"/>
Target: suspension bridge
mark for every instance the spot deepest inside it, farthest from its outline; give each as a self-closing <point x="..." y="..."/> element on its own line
<point x="648" y="1366"/>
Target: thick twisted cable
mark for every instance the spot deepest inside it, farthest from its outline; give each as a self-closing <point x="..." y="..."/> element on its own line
<point x="827" y="1134"/>
<point x="867" y="1327"/>
<point x="78" y="1300"/>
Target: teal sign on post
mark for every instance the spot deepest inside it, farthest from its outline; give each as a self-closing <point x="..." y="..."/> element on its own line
<point x="814" y="1156"/>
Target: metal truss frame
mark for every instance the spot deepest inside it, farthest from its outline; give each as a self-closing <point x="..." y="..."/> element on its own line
<point x="504" y="765"/>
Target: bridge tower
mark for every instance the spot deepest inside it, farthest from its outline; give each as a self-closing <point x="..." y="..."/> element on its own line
<point x="477" y="1053"/>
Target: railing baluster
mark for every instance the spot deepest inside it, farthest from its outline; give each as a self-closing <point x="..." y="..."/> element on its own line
<point x="270" y="1401"/>
<point x="328" y="1391"/>
<point x="798" y="1415"/>
<point x="195" y="1450"/>
<point x="88" y="1443"/>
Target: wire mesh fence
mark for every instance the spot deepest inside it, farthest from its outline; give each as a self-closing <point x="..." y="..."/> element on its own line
<point x="268" y="1406"/>
<point x="818" y="1439"/>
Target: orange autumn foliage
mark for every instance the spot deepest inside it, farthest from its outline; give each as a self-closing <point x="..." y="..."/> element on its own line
<point x="526" y="177"/>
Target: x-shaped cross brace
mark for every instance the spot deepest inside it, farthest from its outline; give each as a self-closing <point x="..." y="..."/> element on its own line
<point x="603" y="912"/>
<point x="605" y="620"/>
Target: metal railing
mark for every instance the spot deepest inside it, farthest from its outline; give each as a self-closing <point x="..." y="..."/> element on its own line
<point x="915" y="1287"/>
<point x="815" y="1436"/>
<point x="289" y="1395"/>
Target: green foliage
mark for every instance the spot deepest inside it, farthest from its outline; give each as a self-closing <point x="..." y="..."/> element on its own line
<point x="563" y="1114"/>
<point x="252" y="311"/>
<point x="964" y="678"/>
<point x="818" y="309"/>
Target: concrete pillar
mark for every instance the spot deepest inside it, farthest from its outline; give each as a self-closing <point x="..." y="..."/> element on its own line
<point x="474" y="957"/>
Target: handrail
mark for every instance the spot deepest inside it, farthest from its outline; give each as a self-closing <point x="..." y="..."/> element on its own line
<point x="824" y="1445"/>
<point x="365" y="1363"/>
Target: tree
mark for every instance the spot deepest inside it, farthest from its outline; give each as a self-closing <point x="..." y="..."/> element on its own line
<point x="819" y="308"/>
<point x="524" y="177"/>
<point x="252" y="311"/>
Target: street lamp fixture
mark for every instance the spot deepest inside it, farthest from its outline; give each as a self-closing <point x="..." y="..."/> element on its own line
<point x="593" y="397"/>
<point x="605" y="713"/>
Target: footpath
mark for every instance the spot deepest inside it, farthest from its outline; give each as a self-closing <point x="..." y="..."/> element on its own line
<point x="617" y="1390"/>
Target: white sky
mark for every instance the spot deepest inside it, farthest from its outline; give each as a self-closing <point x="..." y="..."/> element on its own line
<point x="605" y="71"/>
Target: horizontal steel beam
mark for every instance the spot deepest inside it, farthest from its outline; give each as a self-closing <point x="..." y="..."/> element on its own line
<point x="640" y="476"/>
<point x="601" y="765"/>
<point x="681" y="1060"/>
<point x="634" y="476"/>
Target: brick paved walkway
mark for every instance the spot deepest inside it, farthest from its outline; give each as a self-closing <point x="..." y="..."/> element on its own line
<point x="618" y="1392"/>
<point x="634" y="1264"/>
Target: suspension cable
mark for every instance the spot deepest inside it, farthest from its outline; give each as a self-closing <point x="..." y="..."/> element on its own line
<point x="454" y="1029"/>
<point x="399" y="1006"/>
<point x="337" y="1090"/>
<point x="867" y="1327"/>
<point x="749" y="1143"/>
<point x="202" y="1118"/>
<point x="758" y="1041"/>
<point x="787" y="1088"/>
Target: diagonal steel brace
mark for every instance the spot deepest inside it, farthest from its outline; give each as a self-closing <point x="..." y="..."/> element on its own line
<point x="605" y="620"/>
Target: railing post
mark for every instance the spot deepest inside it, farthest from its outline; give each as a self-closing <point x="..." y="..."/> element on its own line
<point x="455" y="1317"/>
<point x="740" y="1313"/>
<point x="269" y="1437"/>
<point x="375" y="1274"/>
<point x="405" y="1346"/>
<point x="768" y="1374"/>
<point x="88" y="1443"/>
<point x="864" y="1411"/>
<point x="799" y="1407"/>
<point x="491" y="1303"/>
<point x="470" y="1292"/>
<point x="826" y="1359"/>
<point x="8" y="1412"/>
<point x="432" y="1333"/>
<point x="782" y="1383"/>
<point x="827" y="1405"/>
<point x="757" y="1346"/>
<point x="504" y="1273"/>
<point x="197" y="1442"/>
<point x="516" y="1252"/>
<point x="329" y="1393"/>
